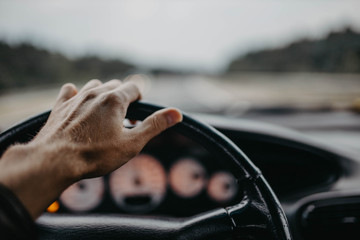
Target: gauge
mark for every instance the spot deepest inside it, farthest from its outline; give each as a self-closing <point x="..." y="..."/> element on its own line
<point x="187" y="177"/>
<point x="139" y="185"/>
<point x="84" y="195"/>
<point x="222" y="187"/>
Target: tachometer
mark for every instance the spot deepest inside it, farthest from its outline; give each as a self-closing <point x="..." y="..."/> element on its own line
<point x="222" y="187"/>
<point x="187" y="177"/>
<point x="84" y="195"/>
<point x="139" y="185"/>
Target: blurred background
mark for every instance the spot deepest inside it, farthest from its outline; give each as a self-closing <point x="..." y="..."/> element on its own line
<point x="293" y="63"/>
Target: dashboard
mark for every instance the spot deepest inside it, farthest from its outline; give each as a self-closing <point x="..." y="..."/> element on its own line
<point x="172" y="176"/>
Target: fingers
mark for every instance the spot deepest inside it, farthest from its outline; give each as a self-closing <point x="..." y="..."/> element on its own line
<point x="111" y="93"/>
<point x="155" y="124"/>
<point x="91" y="84"/>
<point x="131" y="91"/>
<point x="110" y="85"/>
<point x="139" y="81"/>
<point x="67" y="91"/>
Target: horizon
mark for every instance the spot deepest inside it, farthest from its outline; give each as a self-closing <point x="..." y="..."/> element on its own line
<point x="93" y="55"/>
<point x="203" y="41"/>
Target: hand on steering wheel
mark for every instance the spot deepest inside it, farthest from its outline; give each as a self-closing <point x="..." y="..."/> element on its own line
<point x="258" y="215"/>
<point x="83" y="137"/>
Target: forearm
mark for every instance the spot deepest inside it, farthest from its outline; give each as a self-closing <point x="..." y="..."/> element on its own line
<point x="35" y="174"/>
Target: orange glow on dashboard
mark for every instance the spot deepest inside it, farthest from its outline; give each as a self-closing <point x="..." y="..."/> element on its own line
<point x="54" y="207"/>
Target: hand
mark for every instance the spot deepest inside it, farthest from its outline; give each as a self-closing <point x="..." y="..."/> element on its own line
<point x="83" y="137"/>
<point x="91" y="123"/>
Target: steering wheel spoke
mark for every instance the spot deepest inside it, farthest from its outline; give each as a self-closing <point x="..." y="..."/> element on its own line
<point x="250" y="219"/>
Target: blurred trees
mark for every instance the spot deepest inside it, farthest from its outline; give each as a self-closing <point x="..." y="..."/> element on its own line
<point x="339" y="52"/>
<point x="25" y="65"/>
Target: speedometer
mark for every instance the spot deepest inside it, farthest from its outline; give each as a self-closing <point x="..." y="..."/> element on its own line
<point x="84" y="195"/>
<point x="139" y="185"/>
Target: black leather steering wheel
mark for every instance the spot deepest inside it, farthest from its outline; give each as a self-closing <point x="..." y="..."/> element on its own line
<point x="258" y="215"/>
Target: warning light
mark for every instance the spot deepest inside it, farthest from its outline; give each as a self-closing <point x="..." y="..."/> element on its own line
<point x="54" y="207"/>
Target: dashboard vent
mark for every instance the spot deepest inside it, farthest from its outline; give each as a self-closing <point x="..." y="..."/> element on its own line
<point x="337" y="218"/>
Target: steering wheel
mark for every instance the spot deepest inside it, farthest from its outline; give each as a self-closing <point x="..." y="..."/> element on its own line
<point x="258" y="215"/>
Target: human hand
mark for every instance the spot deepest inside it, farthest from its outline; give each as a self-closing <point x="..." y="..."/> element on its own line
<point x="91" y="123"/>
<point x="83" y="137"/>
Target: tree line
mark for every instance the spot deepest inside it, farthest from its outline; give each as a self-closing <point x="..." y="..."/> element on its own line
<point x="338" y="52"/>
<point x="25" y="65"/>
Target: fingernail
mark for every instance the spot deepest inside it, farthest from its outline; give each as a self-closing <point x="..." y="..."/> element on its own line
<point x="173" y="117"/>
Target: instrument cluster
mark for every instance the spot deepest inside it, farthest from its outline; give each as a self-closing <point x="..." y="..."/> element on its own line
<point x="171" y="176"/>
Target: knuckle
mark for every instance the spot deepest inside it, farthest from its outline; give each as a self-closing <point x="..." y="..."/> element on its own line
<point x="123" y="97"/>
<point x="95" y="81"/>
<point x="115" y="81"/>
<point x="156" y="123"/>
<point x="111" y="98"/>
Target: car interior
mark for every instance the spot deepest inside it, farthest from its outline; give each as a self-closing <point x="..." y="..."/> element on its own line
<point x="269" y="145"/>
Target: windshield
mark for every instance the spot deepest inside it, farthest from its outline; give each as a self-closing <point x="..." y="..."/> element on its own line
<point x="232" y="58"/>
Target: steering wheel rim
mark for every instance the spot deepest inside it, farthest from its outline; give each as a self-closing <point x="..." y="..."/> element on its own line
<point x="259" y="213"/>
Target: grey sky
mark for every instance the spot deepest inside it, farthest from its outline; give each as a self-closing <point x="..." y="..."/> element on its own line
<point x="193" y="34"/>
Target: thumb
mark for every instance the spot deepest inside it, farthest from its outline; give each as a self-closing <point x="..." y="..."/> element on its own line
<point x="156" y="123"/>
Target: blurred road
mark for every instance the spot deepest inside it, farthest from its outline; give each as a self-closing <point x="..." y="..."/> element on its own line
<point x="232" y="95"/>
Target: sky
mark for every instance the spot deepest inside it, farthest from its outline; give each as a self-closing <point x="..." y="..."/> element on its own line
<point x="199" y="35"/>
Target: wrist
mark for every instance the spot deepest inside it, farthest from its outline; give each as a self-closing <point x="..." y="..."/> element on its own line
<point x="34" y="170"/>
